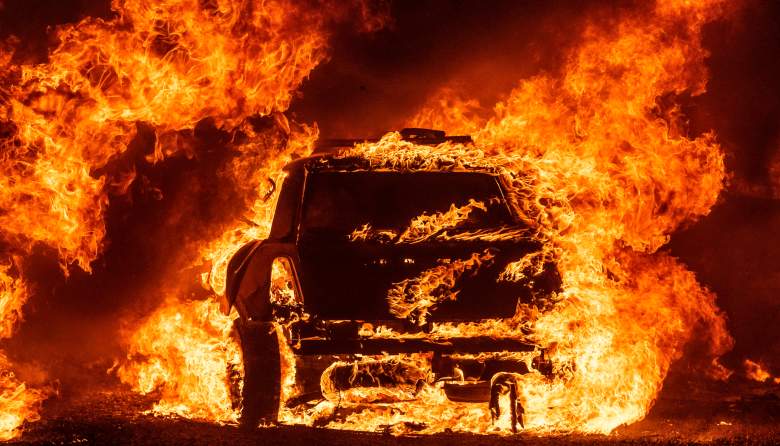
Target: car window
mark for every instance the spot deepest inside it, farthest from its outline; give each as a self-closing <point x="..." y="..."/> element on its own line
<point x="339" y="203"/>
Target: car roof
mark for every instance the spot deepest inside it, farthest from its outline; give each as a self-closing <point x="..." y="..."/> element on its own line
<point x="330" y="154"/>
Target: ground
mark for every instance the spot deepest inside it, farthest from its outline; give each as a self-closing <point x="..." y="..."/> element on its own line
<point x="744" y="414"/>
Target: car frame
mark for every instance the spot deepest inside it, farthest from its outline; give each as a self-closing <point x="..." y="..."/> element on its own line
<point x="327" y="333"/>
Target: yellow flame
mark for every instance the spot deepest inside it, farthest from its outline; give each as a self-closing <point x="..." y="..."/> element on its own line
<point x="757" y="372"/>
<point x="186" y="352"/>
<point x="602" y="174"/>
<point x="414" y="298"/>
<point x="18" y="403"/>
<point x="611" y="175"/>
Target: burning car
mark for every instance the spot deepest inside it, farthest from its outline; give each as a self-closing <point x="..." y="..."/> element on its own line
<point x="363" y="262"/>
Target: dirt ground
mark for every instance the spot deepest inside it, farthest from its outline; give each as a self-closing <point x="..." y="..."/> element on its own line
<point x="744" y="413"/>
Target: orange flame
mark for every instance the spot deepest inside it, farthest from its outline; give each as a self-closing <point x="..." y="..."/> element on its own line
<point x="448" y="110"/>
<point x="167" y="64"/>
<point x="414" y="298"/>
<point x="757" y="372"/>
<point x="185" y="351"/>
<point x="425" y="226"/>
<point x="283" y="42"/>
<point x="13" y="294"/>
<point x="17" y="402"/>
<point x="613" y="175"/>
<point x="611" y="170"/>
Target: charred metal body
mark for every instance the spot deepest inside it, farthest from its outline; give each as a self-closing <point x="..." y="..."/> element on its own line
<point x="354" y="258"/>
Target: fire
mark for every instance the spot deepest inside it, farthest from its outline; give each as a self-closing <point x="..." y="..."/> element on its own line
<point x="757" y="372"/>
<point x="614" y="174"/>
<point x="13" y="294"/>
<point x="600" y="169"/>
<point x="339" y="378"/>
<point x="260" y="178"/>
<point x="190" y="358"/>
<point x="296" y="46"/>
<point x="413" y="298"/>
<point x="66" y="126"/>
<point x="17" y="403"/>
<point x="282" y="290"/>
<point x="169" y="65"/>
<point x="448" y="109"/>
<point x="426" y="226"/>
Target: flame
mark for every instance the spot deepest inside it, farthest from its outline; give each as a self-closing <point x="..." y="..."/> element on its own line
<point x="425" y="226"/>
<point x="448" y="110"/>
<point x="602" y="174"/>
<point x="13" y="295"/>
<point x="185" y="352"/>
<point x="260" y="174"/>
<point x="530" y="265"/>
<point x="599" y="168"/>
<point x="168" y="65"/>
<point x="414" y="298"/>
<point x="18" y="403"/>
<point x="283" y="283"/>
<point x="611" y="174"/>
<point x="757" y="372"/>
<point x="624" y="314"/>
<point x="374" y="380"/>
<point x="66" y="127"/>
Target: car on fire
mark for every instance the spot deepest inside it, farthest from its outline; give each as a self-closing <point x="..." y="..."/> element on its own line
<point x="362" y="262"/>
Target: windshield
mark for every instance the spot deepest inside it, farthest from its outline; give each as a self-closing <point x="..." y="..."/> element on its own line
<point x="405" y="205"/>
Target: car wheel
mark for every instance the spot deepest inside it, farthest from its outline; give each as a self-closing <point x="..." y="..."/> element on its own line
<point x="262" y="373"/>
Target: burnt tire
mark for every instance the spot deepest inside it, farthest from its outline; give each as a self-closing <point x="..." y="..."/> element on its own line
<point x="262" y="373"/>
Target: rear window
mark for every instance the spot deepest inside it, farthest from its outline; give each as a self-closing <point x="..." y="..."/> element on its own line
<point x="340" y="203"/>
